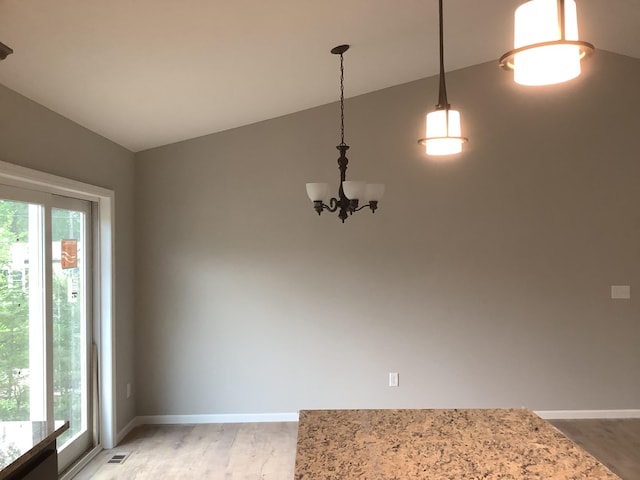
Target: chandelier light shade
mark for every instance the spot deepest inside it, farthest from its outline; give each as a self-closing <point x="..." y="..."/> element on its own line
<point x="547" y="49"/>
<point x="350" y="193"/>
<point x="373" y="192"/>
<point x="318" y="192"/>
<point x="444" y="134"/>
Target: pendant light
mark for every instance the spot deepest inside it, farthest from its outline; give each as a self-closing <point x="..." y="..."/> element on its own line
<point x="350" y="192"/>
<point x="444" y="135"/>
<point x="546" y="46"/>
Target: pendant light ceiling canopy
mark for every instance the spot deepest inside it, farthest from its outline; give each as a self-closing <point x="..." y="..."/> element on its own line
<point x="546" y="45"/>
<point x="444" y="134"/>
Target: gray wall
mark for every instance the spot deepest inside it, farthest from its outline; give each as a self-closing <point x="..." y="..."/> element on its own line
<point x="484" y="280"/>
<point x="37" y="138"/>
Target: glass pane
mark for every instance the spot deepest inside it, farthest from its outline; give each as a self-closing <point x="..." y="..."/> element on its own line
<point x="69" y="322"/>
<point x="22" y="384"/>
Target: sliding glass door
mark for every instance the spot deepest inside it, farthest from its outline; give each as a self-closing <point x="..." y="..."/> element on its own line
<point x="71" y="325"/>
<point x="45" y="314"/>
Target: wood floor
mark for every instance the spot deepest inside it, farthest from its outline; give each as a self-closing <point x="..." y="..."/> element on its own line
<point x="616" y="443"/>
<point x="246" y="451"/>
<point x="267" y="451"/>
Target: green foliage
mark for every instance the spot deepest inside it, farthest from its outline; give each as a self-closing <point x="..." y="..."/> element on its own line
<point x="14" y="322"/>
<point x="8" y="451"/>
<point x="14" y="317"/>
<point x="67" y="375"/>
<point x="67" y="330"/>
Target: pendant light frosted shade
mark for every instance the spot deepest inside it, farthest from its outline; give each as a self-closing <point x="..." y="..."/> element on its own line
<point x="440" y="140"/>
<point x="374" y="192"/>
<point x="318" y="191"/>
<point x="536" y="22"/>
<point x="546" y="45"/>
<point x="353" y="189"/>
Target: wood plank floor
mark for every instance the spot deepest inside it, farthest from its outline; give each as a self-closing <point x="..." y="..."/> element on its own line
<point x="616" y="443"/>
<point x="247" y="451"/>
<point x="267" y="451"/>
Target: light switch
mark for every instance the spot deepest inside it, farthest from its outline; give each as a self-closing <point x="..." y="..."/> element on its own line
<point x="621" y="292"/>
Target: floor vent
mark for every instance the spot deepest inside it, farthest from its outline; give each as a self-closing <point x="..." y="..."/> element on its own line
<point x="118" y="458"/>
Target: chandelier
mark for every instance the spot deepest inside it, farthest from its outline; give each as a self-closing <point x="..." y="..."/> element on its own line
<point x="350" y="192"/>
<point x="546" y="46"/>
<point x="444" y="135"/>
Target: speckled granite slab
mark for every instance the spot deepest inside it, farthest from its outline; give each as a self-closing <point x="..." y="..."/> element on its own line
<point x="509" y="444"/>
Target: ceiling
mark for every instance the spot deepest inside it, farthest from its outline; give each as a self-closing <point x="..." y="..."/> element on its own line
<point x="146" y="73"/>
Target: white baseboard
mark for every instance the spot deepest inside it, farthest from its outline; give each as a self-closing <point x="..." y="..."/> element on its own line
<point x="585" y="414"/>
<point x="293" y="417"/>
<point x="197" y="419"/>
<point x="216" y="418"/>
<point x="128" y="427"/>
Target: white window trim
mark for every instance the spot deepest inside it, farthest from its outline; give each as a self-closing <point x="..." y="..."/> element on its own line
<point x="104" y="276"/>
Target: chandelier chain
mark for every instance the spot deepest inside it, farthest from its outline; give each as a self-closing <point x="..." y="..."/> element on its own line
<point x="341" y="100"/>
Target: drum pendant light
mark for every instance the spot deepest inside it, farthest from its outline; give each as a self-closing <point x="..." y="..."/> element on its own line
<point x="444" y="134"/>
<point x="546" y="46"/>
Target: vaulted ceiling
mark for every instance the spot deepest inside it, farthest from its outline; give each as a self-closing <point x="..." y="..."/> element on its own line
<point x="145" y="73"/>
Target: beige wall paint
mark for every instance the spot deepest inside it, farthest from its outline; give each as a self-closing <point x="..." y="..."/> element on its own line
<point x="484" y="281"/>
<point x="35" y="137"/>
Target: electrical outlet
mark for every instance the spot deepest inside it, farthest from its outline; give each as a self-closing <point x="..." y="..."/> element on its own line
<point x="621" y="292"/>
<point x="393" y="379"/>
<point x="128" y="390"/>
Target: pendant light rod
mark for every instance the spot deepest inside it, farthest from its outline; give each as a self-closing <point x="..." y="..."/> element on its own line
<point x="442" y="95"/>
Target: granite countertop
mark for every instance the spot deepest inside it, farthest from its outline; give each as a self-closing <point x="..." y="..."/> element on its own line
<point x="21" y="441"/>
<point x="500" y="444"/>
